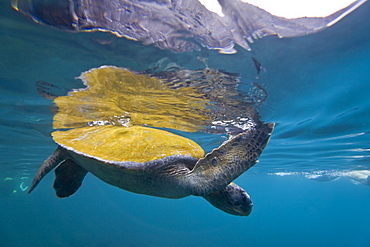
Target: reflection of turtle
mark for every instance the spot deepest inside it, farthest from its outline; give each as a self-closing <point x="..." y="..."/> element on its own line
<point x="168" y="166"/>
<point x="181" y="99"/>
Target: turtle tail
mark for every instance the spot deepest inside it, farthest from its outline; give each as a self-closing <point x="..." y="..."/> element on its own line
<point x="58" y="156"/>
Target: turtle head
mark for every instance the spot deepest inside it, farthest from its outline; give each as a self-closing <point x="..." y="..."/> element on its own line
<point x="232" y="199"/>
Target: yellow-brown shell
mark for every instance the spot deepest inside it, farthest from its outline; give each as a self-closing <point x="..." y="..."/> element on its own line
<point x="117" y="143"/>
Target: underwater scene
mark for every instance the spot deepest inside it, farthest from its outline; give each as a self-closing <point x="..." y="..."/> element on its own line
<point x="169" y="123"/>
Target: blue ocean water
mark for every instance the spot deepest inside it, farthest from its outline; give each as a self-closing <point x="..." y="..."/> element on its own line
<point x="310" y="187"/>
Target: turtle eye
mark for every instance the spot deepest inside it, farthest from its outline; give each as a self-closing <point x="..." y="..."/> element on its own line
<point x="244" y="198"/>
<point x="214" y="162"/>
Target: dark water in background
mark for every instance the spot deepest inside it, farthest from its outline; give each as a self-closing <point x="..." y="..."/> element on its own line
<point x="318" y="89"/>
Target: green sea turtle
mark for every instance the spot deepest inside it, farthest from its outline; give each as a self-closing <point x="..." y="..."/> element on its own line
<point x="101" y="130"/>
<point x="161" y="163"/>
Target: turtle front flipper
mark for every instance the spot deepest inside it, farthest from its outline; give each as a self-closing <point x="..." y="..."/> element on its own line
<point x="58" y="156"/>
<point x="224" y="164"/>
<point x="68" y="178"/>
<point x="232" y="200"/>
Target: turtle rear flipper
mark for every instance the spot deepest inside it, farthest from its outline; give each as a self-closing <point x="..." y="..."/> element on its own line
<point x="68" y="178"/>
<point x="58" y="156"/>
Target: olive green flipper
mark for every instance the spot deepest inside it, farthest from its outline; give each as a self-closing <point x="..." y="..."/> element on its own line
<point x="224" y="164"/>
<point x="232" y="200"/>
<point x="58" y="156"/>
<point x="68" y="178"/>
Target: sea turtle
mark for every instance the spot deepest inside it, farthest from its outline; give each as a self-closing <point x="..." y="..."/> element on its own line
<point x="181" y="172"/>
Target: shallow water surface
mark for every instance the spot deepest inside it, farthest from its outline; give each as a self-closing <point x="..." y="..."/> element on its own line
<point x="310" y="188"/>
